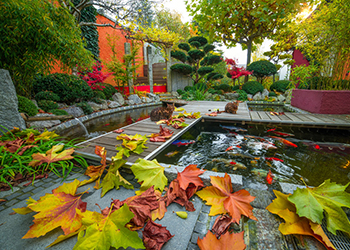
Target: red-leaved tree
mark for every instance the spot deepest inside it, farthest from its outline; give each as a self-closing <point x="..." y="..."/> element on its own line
<point x="235" y="72"/>
<point x="95" y="78"/>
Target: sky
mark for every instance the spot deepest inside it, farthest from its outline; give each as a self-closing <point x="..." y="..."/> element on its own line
<point x="234" y="53"/>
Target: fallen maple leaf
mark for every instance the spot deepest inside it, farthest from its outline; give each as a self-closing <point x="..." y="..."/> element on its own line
<point x="222" y="200"/>
<point x="190" y="175"/>
<point x="329" y="198"/>
<point x="227" y="241"/>
<point x="155" y="235"/>
<point x="52" y="156"/>
<point x="161" y="210"/>
<point x="150" y="173"/>
<point x="176" y="194"/>
<point x="58" y="209"/>
<point x="134" y="143"/>
<point x="118" y="131"/>
<point x="162" y="136"/>
<point x="106" y="231"/>
<point x="221" y="225"/>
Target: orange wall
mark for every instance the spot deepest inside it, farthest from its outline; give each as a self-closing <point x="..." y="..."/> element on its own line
<point x="105" y="49"/>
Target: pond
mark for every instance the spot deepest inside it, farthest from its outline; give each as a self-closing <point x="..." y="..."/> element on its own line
<point x="104" y="124"/>
<point x="270" y="108"/>
<point x="252" y="150"/>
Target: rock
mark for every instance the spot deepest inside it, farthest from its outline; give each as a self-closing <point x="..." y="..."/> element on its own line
<point x="130" y="102"/>
<point x="288" y="95"/>
<point x="97" y="107"/>
<point x="258" y="97"/>
<point x="44" y="124"/>
<point x="62" y="105"/>
<point x="209" y="96"/>
<point x="265" y="94"/>
<point x="281" y="98"/>
<point x="153" y="97"/>
<point x="175" y="94"/>
<point x="249" y="96"/>
<point x="117" y="97"/>
<point x="35" y="102"/>
<point x="75" y="111"/>
<point x="231" y="96"/>
<point x="9" y="115"/>
<point x="135" y="98"/>
<point x="113" y="104"/>
<point x="146" y="99"/>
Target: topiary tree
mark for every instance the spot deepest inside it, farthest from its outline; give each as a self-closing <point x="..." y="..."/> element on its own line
<point x="252" y="87"/>
<point x="197" y="57"/>
<point x="262" y="69"/>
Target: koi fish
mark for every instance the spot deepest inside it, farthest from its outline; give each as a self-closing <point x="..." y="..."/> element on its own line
<point x="244" y="155"/>
<point x="269" y="177"/>
<point x="229" y="162"/>
<point x="171" y="154"/>
<point x="269" y="130"/>
<point x="106" y="125"/>
<point x="284" y="141"/>
<point x="233" y="128"/>
<point x="317" y="147"/>
<point x="183" y="142"/>
<point x="263" y="145"/>
<point x="273" y="159"/>
<point x="262" y="173"/>
<point x="281" y="133"/>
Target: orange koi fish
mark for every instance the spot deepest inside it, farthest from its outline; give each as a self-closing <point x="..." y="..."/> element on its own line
<point x="273" y="159"/>
<point x="171" y="154"/>
<point x="269" y="177"/>
<point x="270" y="130"/>
<point x="284" y="141"/>
<point x="281" y="133"/>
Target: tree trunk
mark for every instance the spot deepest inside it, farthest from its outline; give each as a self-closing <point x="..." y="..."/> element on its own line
<point x="249" y="54"/>
<point x="127" y="50"/>
<point x="150" y="68"/>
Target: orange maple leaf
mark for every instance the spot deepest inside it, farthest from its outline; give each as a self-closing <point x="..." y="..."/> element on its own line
<point x="222" y="200"/>
<point x="190" y="175"/>
<point x="52" y="156"/>
<point x="227" y="241"/>
<point x="58" y="209"/>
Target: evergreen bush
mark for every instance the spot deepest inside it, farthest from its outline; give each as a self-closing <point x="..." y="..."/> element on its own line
<point x="26" y="106"/>
<point x="262" y="69"/>
<point x="58" y="112"/>
<point x="243" y="96"/>
<point x="47" y="105"/>
<point x="280" y="86"/>
<point x="272" y="94"/>
<point x="47" y="95"/>
<point x="85" y="107"/>
<point x="252" y="87"/>
<point x="108" y="90"/>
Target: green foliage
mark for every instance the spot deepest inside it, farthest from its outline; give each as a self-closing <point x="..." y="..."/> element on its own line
<point x="205" y="70"/>
<point x="182" y="68"/>
<point x="26" y="106"/>
<point x="208" y="47"/>
<point x="224" y="87"/>
<point x="195" y="44"/>
<point x="58" y="112"/>
<point x="280" y="86"/>
<point x="235" y="87"/>
<point x="202" y="40"/>
<point x="180" y="91"/>
<point x="184" y="46"/>
<point x="214" y="59"/>
<point x="300" y="75"/>
<point x="261" y="69"/>
<point x="196" y="54"/>
<point x="243" y="96"/>
<point x="47" y="105"/>
<point x="100" y="94"/>
<point x="34" y="35"/>
<point x="47" y="95"/>
<point x="188" y="88"/>
<point x="108" y="90"/>
<point x="179" y="55"/>
<point x="85" y="107"/>
<point x="69" y="88"/>
<point x="252" y="87"/>
<point x="272" y="94"/>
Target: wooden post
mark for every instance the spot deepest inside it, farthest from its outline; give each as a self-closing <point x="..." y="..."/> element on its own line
<point x="169" y="87"/>
<point x="127" y="50"/>
<point x="150" y="68"/>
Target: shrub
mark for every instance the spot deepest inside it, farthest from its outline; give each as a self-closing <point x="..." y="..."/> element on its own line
<point x="243" y="96"/>
<point x="58" y="112"/>
<point x="99" y="94"/>
<point x="86" y="107"/>
<point x="280" y="86"/>
<point x="180" y="91"/>
<point x="184" y="69"/>
<point x="235" y="87"/>
<point x="224" y="87"/>
<point x="47" y="105"/>
<point x="109" y="91"/>
<point x="188" y="88"/>
<point x="262" y="69"/>
<point x="272" y="94"/>
<point x="47" y="95"/>
<point x="252" y="87"/>
<point x="26" y="106"/>
<point x="69" y="88"/>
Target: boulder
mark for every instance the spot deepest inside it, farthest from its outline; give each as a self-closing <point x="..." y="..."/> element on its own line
<point x="135" y="98"/>
<point x="44" y="124"/>
<point x="117" y="97"/>
<point x="249" y="96"/>
<point x="130" y="102"/>
<point x="62" y="105"/>
<point x="288" y="95"/>
<point x="35" y="103"/>
<point x="97" y="107"/>
<point x="146" y="99"/>
<point x="281" y="98"/>
<point x="175" y="94"/>
<point x="75" y="111"/>
<point x="258" y="97"/>
<point x="9" y="115"/>
<point x="113" y="104"/>
<point x="265" y="94"/>
<point x="153" y="97"/>
<point x="231" y="96"/>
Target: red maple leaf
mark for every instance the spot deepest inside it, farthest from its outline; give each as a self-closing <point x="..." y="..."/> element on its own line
<point x="155" y="236"/>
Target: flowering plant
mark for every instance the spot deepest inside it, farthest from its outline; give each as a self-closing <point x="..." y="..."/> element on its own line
<point x="95" y="78"/>
<point x="234" y="71"/>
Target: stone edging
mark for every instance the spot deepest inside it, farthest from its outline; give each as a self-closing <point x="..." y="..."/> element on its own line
<point x="287" y="106"/>
<point x="73" y="122"/>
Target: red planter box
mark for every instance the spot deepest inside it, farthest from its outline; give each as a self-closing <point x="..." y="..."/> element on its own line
<point x="322" y="101"/>
<point x="147" y="88"/>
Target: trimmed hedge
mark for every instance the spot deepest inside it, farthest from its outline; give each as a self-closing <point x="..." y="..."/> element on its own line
<point x="69" y="88"/>
<point x="47" y="105"/>
<point x="252" y="87"/>
<point x="26" y="106"/>
<point x="47" y="95"/>
<point x="280" y="86"/>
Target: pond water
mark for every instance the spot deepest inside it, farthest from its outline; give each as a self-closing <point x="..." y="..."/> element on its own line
<point x="107" y="123"/>
<point x="312" y="154"/>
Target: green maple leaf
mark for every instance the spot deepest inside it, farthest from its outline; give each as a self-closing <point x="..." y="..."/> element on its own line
<point x="150" y="173"/>
<point x="329" y="198"/>
<point x="104" y="232"/>
<point x="113" y="178"/>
